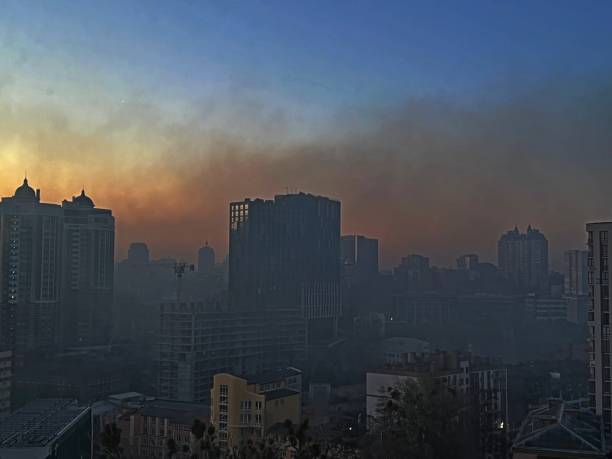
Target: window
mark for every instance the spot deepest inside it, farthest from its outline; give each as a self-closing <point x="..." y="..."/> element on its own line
<point x="258" y="406"/>
<point x="258" y="419"/>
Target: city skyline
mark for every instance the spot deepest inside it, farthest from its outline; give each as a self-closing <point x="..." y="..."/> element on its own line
<point x="169" y="124"/>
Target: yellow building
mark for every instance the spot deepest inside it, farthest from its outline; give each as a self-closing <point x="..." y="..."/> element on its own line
<point x="245" y="408"/>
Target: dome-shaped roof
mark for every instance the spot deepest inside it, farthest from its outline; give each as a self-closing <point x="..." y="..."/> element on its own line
<point x="25" y="191"/>
<point x="83" y="200"/>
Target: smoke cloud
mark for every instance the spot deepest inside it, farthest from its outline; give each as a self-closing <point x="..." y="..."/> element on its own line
<point x="430" y="175"/>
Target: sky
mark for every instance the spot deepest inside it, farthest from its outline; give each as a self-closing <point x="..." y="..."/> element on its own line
<point x="437" y="124"/>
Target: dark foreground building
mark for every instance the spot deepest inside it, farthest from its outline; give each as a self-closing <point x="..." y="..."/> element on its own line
<point x="47" y="429"/>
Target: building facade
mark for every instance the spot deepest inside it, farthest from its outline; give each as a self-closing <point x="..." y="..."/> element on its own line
<point x="6" y="376"/>
<point x="523" y="259"/>
<point x="285" y="253"/>
<point x="30" y="273"/>
<point x="197" y="341"/>
<point x="598" y="315"/>
<point x="485" y="384"/>
<point x="244" y="408"/>
<point x="575" y="271"/>
<point x="88" y="269"/>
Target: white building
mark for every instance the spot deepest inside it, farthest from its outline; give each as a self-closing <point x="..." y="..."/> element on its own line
<point x="598" y="313"/>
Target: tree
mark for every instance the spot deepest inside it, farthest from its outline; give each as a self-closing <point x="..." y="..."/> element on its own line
<point x="110" y="439"/>
<point x="421" y="420"/>
<point x="204" y="441"/>
<point x="171" y="447"/>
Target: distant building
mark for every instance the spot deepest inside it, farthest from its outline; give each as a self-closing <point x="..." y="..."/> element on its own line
<point x="523" y="259"/>
<point x="30" y="280"/>
<point x="561" y="430"/>
<point x="401" y="351"/>
<point x="206" y="259"/>
<point x="6" y="374"/>
<point x="598" y="316"/>
<point x="138" y="253"/>
<point x="285" y="253"/>
<point x="460" y="371"/>
<point x="47" y="428"/>
<point x="89" y="264"/>
<point x="414" y="273"/>
<point x="359" y="257"/>
<point x="244" y="408"/>
<point x="468" y="262"/>
<point x="575" y="271"/>
<point x="197" y="341"/>
<point x="546" y="308"/>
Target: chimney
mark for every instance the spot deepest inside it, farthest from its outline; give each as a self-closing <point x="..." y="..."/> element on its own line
<point x="38" y="193"/>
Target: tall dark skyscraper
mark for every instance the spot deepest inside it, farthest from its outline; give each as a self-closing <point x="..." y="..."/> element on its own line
<point x="30" y="279"/>
<point x="89" y="248"/>
<point x="286" y="253"/>
<point x="523" y="259"/>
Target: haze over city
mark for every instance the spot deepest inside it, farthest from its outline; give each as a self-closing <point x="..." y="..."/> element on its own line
<point x="437" y="135"/>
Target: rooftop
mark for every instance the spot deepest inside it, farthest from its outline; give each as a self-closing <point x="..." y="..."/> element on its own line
<point x="39" y="422"/>
<point x="280" y="393"/>
<point x="562" y="427"/>
<point x="176" y="412"/>
<point x="273" y="376"/>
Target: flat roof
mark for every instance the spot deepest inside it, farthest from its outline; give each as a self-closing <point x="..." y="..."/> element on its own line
<point x="272" y="376"/>
<point x="280" y="393"/>
<point x="39" y="422"/>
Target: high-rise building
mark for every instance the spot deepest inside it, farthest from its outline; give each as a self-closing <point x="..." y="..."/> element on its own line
<point x="285" y="253"/>
<point x="206" y="259"/>
<point x="197" y="340"/>
<point x="598" y="316"/>
<point x="575" y="271"/>
<point x="30" y="280"/>
<point x="359" y="257"/>
<point x="89" y="248"/>
<point x="523" y="259"/>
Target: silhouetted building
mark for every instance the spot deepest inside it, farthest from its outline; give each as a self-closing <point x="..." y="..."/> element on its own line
<point x="197" y="340"/>
<point x="30" y="280"/>
<point x="138" y="253"/>
<point x="414" y="273"/>
<point x="206" y="259"/>
<point x="468" y="262"/>
<point x="600" y="382"/>
<point x="285" y="253"/>
<point x="523" y="259"/>
<point x="89" y="259"/>
<point x="359" y="257"/>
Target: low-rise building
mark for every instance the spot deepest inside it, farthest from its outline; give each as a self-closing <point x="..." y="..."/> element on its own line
<point x="245" y="408"/>
<point x="484" y="383"/>
<point x="6" y="374"/>
<point x="561" y="429"/>
<point x="47" y="429"/>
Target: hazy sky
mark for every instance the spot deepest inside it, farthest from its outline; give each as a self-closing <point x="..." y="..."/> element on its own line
<point x="438" y="124"/>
